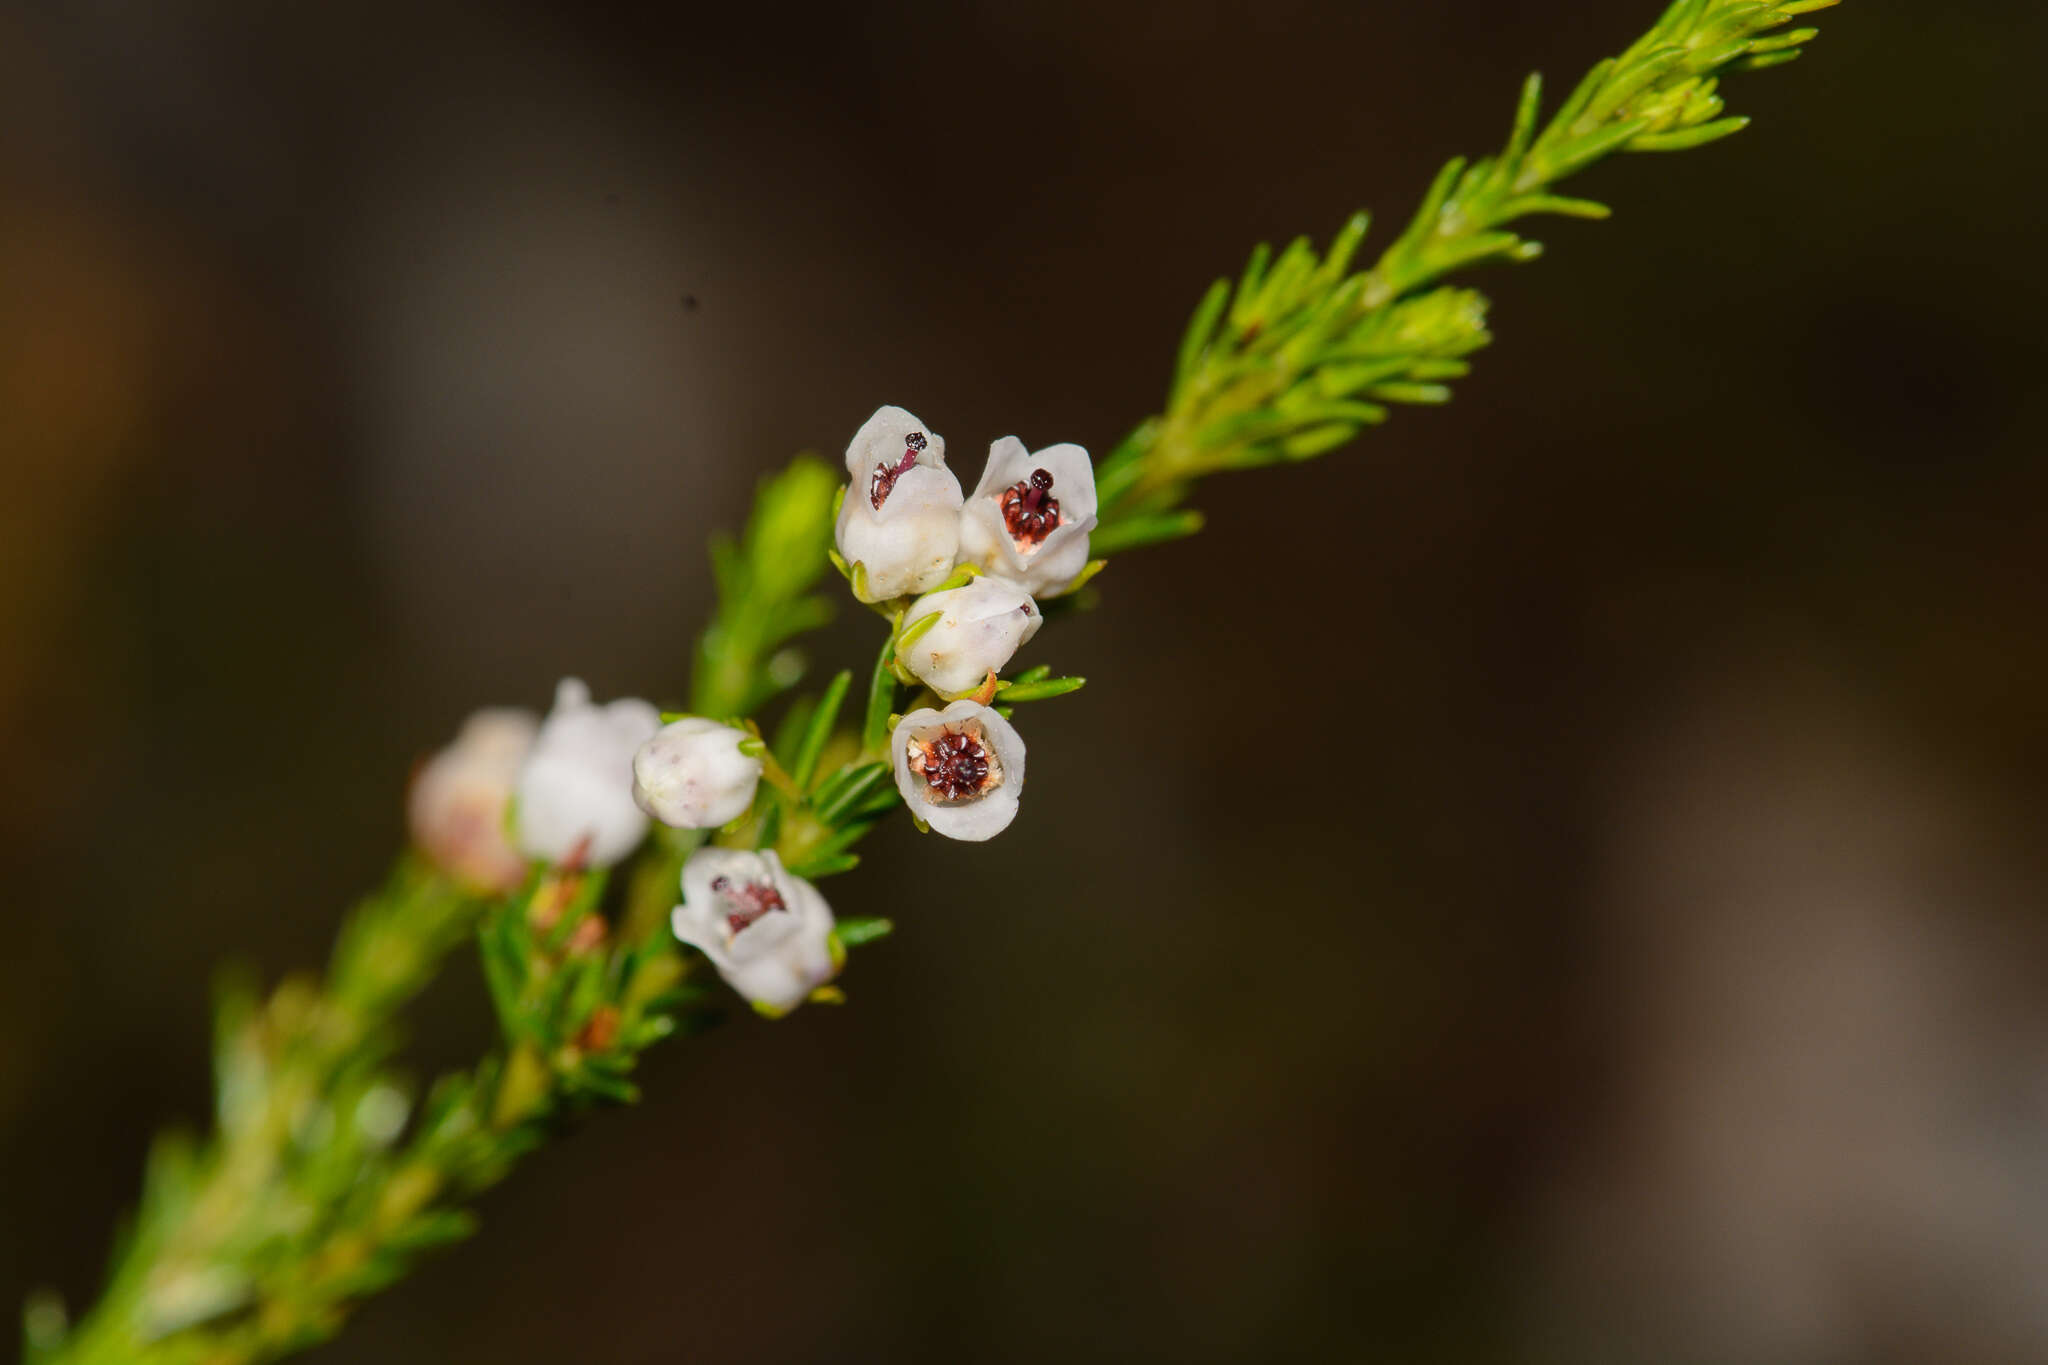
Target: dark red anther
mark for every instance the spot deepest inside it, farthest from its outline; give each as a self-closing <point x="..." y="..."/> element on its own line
<point x="956" y="766"/>
<point x="754" y="900"/>
<point x="885" y="477"/>
<point x="1029" y="510"/>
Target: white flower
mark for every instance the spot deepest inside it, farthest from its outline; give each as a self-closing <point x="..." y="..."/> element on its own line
<point x="979" y="627"/>
<point x="960" y="770"/>
<point x="1030" y="516"/>
<point x="577" y="786"/>
<point x="900" y="518"/>
<point x="692" y="774"/>
<point x="456" y="808"/>
<point x="768" y="932"/>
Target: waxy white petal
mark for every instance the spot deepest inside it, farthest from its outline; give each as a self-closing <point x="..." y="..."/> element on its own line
<point x="972" y="818"/>
<point x="576" y="788"/>
<point x="692" y="775"/>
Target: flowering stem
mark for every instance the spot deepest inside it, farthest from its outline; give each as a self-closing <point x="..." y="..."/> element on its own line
<point x="324" y="1182"/>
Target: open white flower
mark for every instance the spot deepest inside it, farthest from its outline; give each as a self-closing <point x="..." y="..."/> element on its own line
<point x="1030" y="516"/>
<point x="456" y="808"/>
<point x="692" y="774"/>
<point x="767" y="931"/>
<point x="900" y="518"/>
<point x="576" y="790"/>
<point x="979" y="627"/>
<point x="960" y="770"/>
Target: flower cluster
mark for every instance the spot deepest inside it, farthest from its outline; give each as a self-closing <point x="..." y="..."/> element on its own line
<point x="958" y="577"/>
<point x="1022" y="535"/>
<point x="904" y="526"/>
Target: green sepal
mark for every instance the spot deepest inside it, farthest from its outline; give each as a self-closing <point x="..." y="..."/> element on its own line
<point x="962" y="575"/>
<point x="913" y="632"/>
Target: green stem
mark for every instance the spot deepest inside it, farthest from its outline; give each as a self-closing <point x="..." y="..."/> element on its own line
<point x="278" y="1066"/>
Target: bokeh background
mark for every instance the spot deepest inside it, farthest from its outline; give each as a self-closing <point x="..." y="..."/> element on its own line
<point x="1559" y="880"/>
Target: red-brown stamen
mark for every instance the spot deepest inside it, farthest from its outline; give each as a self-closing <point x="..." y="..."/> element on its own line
<point x="955" y="766"/>
<point x="884" y="478"/>
<point x="754" y="900"/>
<point x="1029" y="510"/>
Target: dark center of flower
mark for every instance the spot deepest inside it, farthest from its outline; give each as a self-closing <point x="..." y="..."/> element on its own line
<point x="955" y="766"/>
<point x="746" y="903"/>
<point x="885" y="475"/>
<point x="1029" y="510"/>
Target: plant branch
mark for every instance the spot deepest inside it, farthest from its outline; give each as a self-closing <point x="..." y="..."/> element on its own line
<point x="323" y="1182"/>
<point x="1303" y="353"/>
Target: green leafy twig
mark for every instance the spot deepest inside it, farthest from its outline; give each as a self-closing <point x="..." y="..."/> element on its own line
<point x="764" y="593"/>
<point x="1303" y="353"/>
<point x="304" y="1102"/>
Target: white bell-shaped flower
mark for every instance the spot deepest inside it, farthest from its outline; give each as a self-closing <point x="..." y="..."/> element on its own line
<point x="767" y="931"/>
<point x="979" y="627"/>
<point x="692" y="774"/>
<point x="900" y="518"/>
<point x="1030" y="516"/>
<point x="960" y="770"/>
<point x="456" y="808"/>
<point x="576" y="790"/>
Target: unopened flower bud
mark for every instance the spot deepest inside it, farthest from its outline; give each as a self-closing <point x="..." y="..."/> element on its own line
<point x="456" y="808"/>
<point x="1030" y="516"/>
<point x="900" y="518"/>
<point x="979" y="627"/>
<point x="692" y="774"/>
<point x="768" y="932"/>
<point x="960" y="770"/>
<point x="575" y="793"/>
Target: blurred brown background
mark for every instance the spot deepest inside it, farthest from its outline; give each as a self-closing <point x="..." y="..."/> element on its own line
<point x="1559" y="880"/>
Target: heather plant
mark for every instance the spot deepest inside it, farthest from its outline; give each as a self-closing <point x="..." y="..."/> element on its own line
<point x="625" y="873"/>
